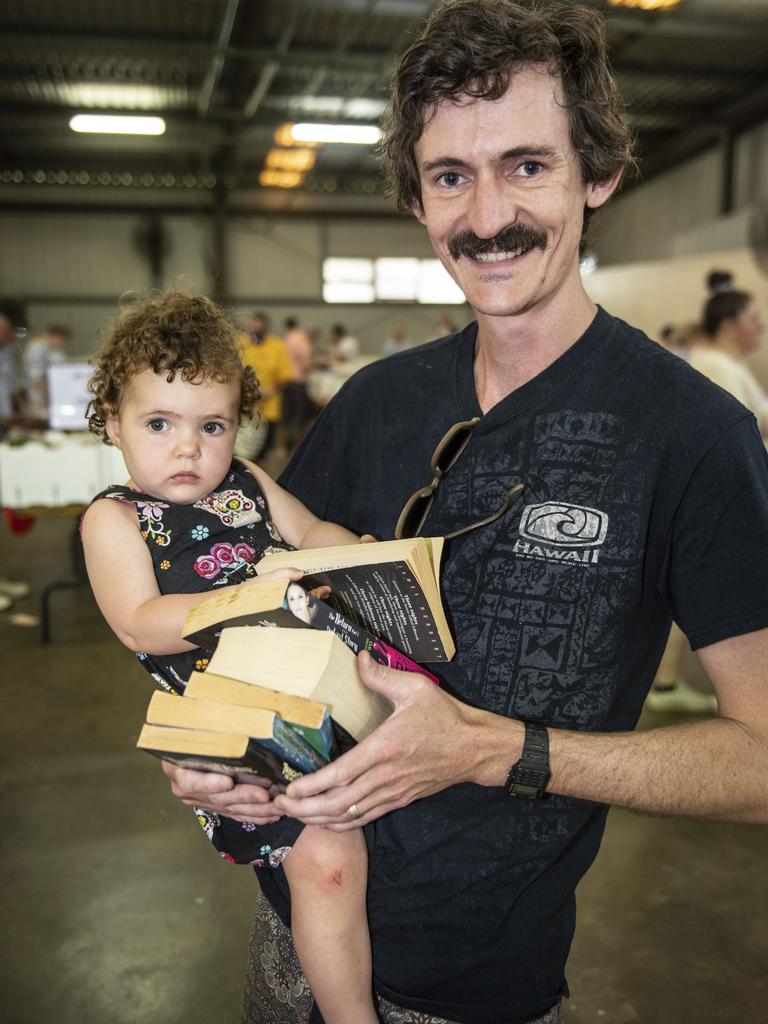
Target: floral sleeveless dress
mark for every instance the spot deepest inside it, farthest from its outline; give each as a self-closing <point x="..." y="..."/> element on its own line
<point x="196" y="548"/>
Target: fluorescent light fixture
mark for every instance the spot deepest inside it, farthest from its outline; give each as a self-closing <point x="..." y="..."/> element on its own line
<point x="646" y="5"/>
<point x="117" y="124"/>
<point x="302" y="160"/>
<point x="588" y="264"/>
<point x="396" y="278"/>
<point x="437" y="286"/>
<point x="347" y="292"/>
<point x="354" y="134"/>
<point x="280" y="179"/>
<point x="339" y="270"/>
<point x="113" y="96"/>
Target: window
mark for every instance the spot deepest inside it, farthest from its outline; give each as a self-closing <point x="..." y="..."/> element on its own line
<point x="402" y="279"/>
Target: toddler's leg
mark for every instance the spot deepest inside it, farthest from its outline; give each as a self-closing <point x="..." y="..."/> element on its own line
<point x="327" y="874"/>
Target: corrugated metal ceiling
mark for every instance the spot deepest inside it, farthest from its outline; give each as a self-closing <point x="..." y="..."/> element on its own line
<point x="226" y="74"/>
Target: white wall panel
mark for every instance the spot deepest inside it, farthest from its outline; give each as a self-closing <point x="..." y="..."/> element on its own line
<point x="751" y="173"/>
<point x="78" y="254"/>
<point x="640" y="225"/>
<point x="187" y="264"/>
<point x="268" y="256"/>
<point x="396" y="237"/>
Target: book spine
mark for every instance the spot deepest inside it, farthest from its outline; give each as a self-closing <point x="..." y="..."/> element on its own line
<point x="290" y="744"/>
<point x="322" y="740"/>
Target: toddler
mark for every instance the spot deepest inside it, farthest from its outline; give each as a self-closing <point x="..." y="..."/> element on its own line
<point x="169" y="390"/>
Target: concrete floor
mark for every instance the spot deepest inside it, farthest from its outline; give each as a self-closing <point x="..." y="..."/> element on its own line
<point x="115" y="908"/>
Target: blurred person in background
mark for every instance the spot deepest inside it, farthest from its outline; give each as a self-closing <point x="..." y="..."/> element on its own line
<point x="41" y="352"/>
<point x="268" y="357"/>
<point x="295" y="402"/>
<point x="398" y="341"/>
<point x="344" y="347"/>
<point x="10" y="406"/>
<point x="732" y="330"/>
<point x="10" y="393"/>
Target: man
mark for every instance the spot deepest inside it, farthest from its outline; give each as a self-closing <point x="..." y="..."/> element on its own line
<point x="41" y="352"/>
<point x="10" y="393"/>
<point x="10" y="406"/>
<point x="646" y="497"/>
<point x="295" y="402"/>
<point x="268" y="356"/>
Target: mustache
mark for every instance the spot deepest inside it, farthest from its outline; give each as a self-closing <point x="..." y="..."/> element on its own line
<point x="513" y="237"/>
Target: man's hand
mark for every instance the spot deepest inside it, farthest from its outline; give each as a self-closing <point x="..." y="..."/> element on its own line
<point x="430" y="742"/>
<point x="222" y="795"/>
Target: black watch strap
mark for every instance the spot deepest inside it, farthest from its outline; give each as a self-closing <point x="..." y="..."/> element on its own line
<point x="529" y="776"/>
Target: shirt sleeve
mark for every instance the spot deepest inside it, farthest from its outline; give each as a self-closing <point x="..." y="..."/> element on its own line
<point x="716" y="570"/>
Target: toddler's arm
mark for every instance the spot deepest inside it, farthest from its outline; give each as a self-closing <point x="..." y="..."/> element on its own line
<point x="123" y="580"/>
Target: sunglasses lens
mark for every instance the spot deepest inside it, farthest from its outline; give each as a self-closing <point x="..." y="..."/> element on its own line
<point x="415" y="512"/>
<point x="450" y="448"/>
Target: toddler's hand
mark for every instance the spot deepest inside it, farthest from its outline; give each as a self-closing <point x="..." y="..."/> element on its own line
<point x="368" y="538"/>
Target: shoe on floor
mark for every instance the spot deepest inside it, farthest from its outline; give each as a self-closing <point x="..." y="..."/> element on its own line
<point x="683" y="698"/>
<point x="14" y="589"/>
<point x="5" y="603"/>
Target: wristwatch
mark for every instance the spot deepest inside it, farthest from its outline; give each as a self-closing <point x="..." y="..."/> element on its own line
<point x="529" y="776"/>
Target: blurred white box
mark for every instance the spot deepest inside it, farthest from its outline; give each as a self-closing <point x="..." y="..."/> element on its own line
<point x="67" y="471"/>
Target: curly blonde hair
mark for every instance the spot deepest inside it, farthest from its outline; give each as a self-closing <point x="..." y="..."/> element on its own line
<point x="170" y="333"/>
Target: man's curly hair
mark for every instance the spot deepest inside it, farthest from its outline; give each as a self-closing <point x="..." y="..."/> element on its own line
<point x="170" y="333"/>
<point x="473" y="48"/>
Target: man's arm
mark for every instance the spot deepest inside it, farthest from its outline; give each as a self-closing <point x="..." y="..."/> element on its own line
<point x="716" y="769"/>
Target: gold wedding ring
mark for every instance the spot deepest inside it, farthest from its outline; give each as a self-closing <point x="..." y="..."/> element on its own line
<point x="353" y="811"/>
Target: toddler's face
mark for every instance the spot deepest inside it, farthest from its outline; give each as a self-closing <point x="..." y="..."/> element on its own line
<point x="176" y="437"/>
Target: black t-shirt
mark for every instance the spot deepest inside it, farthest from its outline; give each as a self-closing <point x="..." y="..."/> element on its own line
<point x="646" y="497"/>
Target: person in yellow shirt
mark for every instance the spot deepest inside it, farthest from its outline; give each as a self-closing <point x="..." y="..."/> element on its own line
<point x="268" y="356"/>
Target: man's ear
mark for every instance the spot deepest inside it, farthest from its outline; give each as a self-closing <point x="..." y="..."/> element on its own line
<point x="600" y="192"/>
<point x="112" y="429"/>
<point x="418" y="211"/>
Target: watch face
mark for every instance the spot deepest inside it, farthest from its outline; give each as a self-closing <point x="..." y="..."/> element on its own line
<point x="521" y="789"/>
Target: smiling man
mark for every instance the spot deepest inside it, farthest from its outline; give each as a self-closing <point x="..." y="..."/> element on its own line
<point x="645" y="497"/>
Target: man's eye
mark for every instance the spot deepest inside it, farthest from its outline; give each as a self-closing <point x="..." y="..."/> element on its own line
<point x="450" y="178"/>
<point x="156" y="426"/>
<point x="531" y="167"/>
<point x="212" y="428"/>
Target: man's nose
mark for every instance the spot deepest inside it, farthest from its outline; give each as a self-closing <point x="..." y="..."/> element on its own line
<point x="492" y="207"/>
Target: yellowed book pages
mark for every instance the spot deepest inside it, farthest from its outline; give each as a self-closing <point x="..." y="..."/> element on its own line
<point x="185" y="713"/>
<point x="251" y="597"/>
<point x="306" y="663"/>
<point x="209" y="686"/>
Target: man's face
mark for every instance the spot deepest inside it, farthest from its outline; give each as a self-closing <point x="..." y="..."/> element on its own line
<point x="486" y="166"/>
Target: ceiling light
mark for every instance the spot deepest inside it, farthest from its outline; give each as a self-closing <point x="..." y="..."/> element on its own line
<point x="291" y="159"/>
<point x="355" y="134"/>
<point x="117" y="124"/>
<point x="280" y="179"/>
<point x="646" y="5"/>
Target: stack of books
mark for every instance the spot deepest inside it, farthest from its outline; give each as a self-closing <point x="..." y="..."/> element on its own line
<point x="283" y="662"/>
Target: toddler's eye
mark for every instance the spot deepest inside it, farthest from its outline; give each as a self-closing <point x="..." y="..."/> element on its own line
<point x="156" y="426"/>
<point x="212" y="428"/>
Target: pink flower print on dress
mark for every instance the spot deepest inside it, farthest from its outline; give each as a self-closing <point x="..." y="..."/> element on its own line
<point x="207" y="567"/>
<point x="244" y="552"/>
<point x="223" y="553"/>
<point x="231" y="507"/>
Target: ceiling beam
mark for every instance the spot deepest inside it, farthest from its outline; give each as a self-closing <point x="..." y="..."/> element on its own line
<point x="213" y="74"/>
<point x="672" y="25"/>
